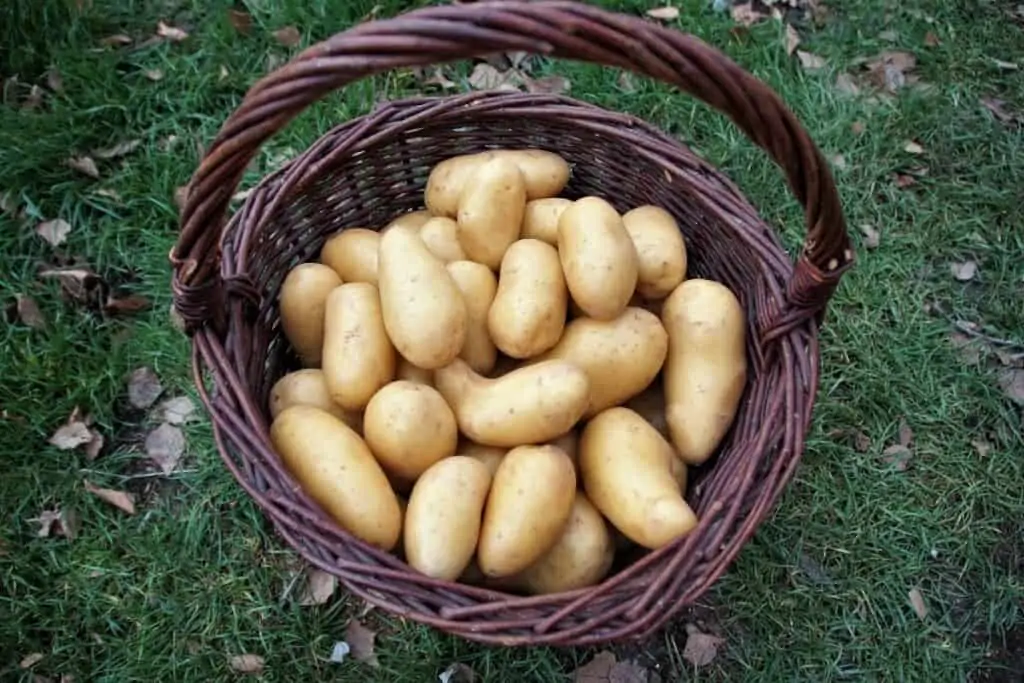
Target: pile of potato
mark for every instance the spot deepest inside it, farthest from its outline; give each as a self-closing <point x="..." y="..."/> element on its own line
<point x="495" y="358"/>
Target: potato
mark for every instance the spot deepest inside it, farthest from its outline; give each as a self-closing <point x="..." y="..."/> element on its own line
<point x="352" y="253"/>
<point x="446" y="182"/>
<point x="334" y="466"/>
<point x="581" y="557"/>
<point x="706" y="369"/>
<point x="626" y="472"/>
<point x="491" y="211"/>
<point x="540" y="220"/>
<point x="424" y="312"/>
<point x="490" y="456"/>
<point x="411" y="373"/>
<point x="358" y="357"/>
<point x="598" y="257"/>
<point x="533" y="404"/>
<point x="478" y="286"/>
<point x="303" y="296"/>
<point x="441" y="235"/>
<point x="570" y="443"/>
<point x="527" y="509"/>
<point x="442" y="525"/>
<point x="621" y="357"/>
<point x="308" y="387"/>
<point x="528" y="313"/>
<point x="414" y="220"/>
<point x="409" y="427"/>
<point x="659" y="248"/>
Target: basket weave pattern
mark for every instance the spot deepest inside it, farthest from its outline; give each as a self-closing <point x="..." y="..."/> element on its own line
<point x="368" y="170"/>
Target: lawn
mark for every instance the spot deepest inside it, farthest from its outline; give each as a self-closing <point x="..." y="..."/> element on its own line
<point x="896" y="555"/>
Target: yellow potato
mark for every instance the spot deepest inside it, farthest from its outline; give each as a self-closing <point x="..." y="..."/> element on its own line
<point x="441" y="235"/>
<point x="581" y="557"/>
<point x="352" y="253"/>
<point x="409" y="427"/>
<point x="308" y="387"/>
<point x="545" y="173"/>
<point x="490" y="456"/>
<point x="446" y="182"/>
<point x="527" y="509"/>
<point x="491" y="211"/>
<point x="528" y="313"/>
<point x="706" y="369"/>
<point x="570" y="443"/>
<point x="659" y="248"/>
<point x="621" y="357"/>
<point x="442" y="525"/>
<point x="335" y="467"/>
<point x="598" y="257"/>
<point x="626" y="469"/>
<point x="411" y="373"/>
<point x="303" y="296"/>
<point x="478" y="286"/>
<point x="533" y="404"/>
<point x="540" y="221"/>
<point x="358" y="357"/>
<point x="413" y="220"/>
<point x="424" y="312"/>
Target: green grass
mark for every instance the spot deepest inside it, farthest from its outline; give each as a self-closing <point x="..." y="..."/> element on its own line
<point x="820" y="594"/>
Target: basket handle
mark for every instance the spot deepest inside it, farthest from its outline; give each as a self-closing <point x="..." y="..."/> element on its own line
<point x="558" y="28"/>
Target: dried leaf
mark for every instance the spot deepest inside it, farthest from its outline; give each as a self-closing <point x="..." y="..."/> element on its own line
<point x="905" y="433"/>
<point x="998" y="109"/>
<point x="846" y="85"/>
<point x="29" y="313"/>
<point x="8" y="202"/>
<point x="457" y="672"/>
<point x="247" y="664"/>
<point x="969" y="348"/>
<point x="913" y="148"/>
<point x="28" y="661"/>
<point x="54" y="81"/>
<point x="898" y="456"/>
<point x="604" y="668"/>
<point x="95" y="445"/>
<point x="154" y="74"/>
<point x="165" y="446"/>
<point x="288" y="36"/>
<point x="811" y="62"/>
<point x="57" y="523"/>
<point x="133" y="303"/>
<point x="839" y="162"/>
<point x="115" y="40"/>
<point x="745" y="14"/>
<point x="171" y="33"/>
<point x="982" y="447"/>
<point x="548" y="85"/>
<point x="437" y="77"/>
<point x="118" y="150"/>
<point x="78" y="283"/>
<point x="904" y="180"/>
<point x="71" y="435"/>
<point x="792" y="39"/>
<point x="143" y="387"/>
<point x="931" y="40"/>
<point x="108" y="193"/>
<point x="181" y="197"/>
<point x="120" y="499"/>
<point x="814" y="572"/>
<point x="1011" y="381"/>
<point x="176" y="410"/>
<point x="917" y="602"/>
<point x="857" y="127"/>
<point x="241" y="20"/>
<point x="862" y="442"/>
<point x="964" y="271"/>
<point x="625" y="82"/>
<point x="890" y="70"/>
<point x="55" y="232"/>
<point x="84" y="165"/>
<point x="701" y="648"/>
<point x="34" y="99"/>
<point x="872" y="238"/>
<point x="486" y="77"/>
<point x="339" y="652"/>
<point x="360" y="640"/>
<point x="664" y="13"/>
<point x="319" y="588"/>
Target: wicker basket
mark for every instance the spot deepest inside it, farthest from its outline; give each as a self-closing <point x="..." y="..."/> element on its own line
<point x="366" y="171"/>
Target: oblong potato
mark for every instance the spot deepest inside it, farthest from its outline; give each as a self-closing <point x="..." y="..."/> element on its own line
<point x="660" y="250"/>
<point x="411" y="373"/>
<point x="540" y="220"/>
<point x="598" y="257"/>
<point x="441" y="235"/>
<point x="528" y="313"/>
<point x="352" y="253"/>
<point x="570" y="444"/>
<point x="358" y="358"/>
<point x="491" y="211"/>
<point x="546" y="173"/>
<point x="706" y="369"/>
<point x="478" y="286"/>
<point x="308" y="387"/>
<point x="424" y="312"/>
<point x="581" y="557"/>
<point x="334" y="466"/>
<point x="303" y="296"/>
<point x="490" y="456"/>
<point x="413" y="220"/>
<point x="527" y="508"/>
<point x="446" y="182"/>
<point x="626" y="469"/>
<point x="533" y="404"/>
<point x="442" y="524"/>
<point x="621" y="356"/>
<point x="409" y="427"/>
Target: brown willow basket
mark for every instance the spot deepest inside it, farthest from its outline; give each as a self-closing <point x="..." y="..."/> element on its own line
<point x="368" y="170"/>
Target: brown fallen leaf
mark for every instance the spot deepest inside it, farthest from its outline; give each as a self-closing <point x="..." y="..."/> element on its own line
<point x="154" y="74"/>
<point x="701" y="648"/>
<point x="79" y="284"/>
<point x="165" y="445"/>
<point x="175" y="411"/>
<point x="133" y="303"/>
<point x="745" y="14"/>
<point x="898" y="456"/>
<point x="982" y="447"/>
<point x="122" y="500"/>
<point x="917" y="603"/>
<point x="240" y="20"/>
<point x="846" y="85"/>
<point x="457" y="672"/>
<point x="57" y="522"/>
<point x="998" y="109"/>
<point x="838" y="162"/>
<point x="144" y="387"/>
<point x="968" y="347"/>
<point x="811" y="62"/>
<point x="663" y="13"/>
<point x="904" y="433"/>
<point x="55" y="231"/>
<point x="604" y="668"/>
<point x="360" y="640"/>
<point x="170" y="32"/>
<point x="84" y="165"/>
<point x="891" y="69"/>
<point x="71" y="435"/>
<point x="486" y="77"/>
<point x="625" y="82"/>
<point x="438" y="77"/>
<point x="119" y="150"/>
<point x="54" y="81"/>
<point x="247" y="664"/>
<point x="931" y="40"/>
<point x="548" y="85"/>
<point x="872" y="238"/>
<point x="30" y="660"/>
<point x="913" y="147"/>
<point x="29" y="313"/>
<point x="34" y="99"/>
<point x="318" y="589"/>
<point x="116" y="40"/>
<point x="861" y="441"/>
<point x="792" y="39"/>
<point x="288" y="36"/>
<point x="181" y="197"/>
<point x="1011" y="381"/>
<point x="904" y="180"/>
<point x="964" y="271"/>
<point x="94" y="446"/>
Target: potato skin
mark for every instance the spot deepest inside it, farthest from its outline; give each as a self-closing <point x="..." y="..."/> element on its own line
<point x="581" y="557"/>
<point x="527" y="315"/>
<point x="626" y="472"/>
<point x="303" y="296"/>
<point x="621" y="356"/>
<point x="308" y="387"/>
<point x="527" y="508"/>
<point x="442" y="524"/>
<point x="352" y="253"/>
<point x="414" y="220"/>
<point x="335" y="467"/>
<point x="441" y="235"/>
<point x="660" y="250"/>
<point x="478" y="286"/>
<point x="533" y="404"/>
<point x="424" y="312"/>
<point x="446" y="182"/>
<point x="540" y="220"/>
<point x="490" y="456"/>
<point x="409" y="427"/>
<point x="411" y="373"/>
<point x="491" y="211"/>
<point x="570" y="444"/>
<point x="598" y="257"/>
<point x="706" y="369"/>
<point x="358" y="358"/>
